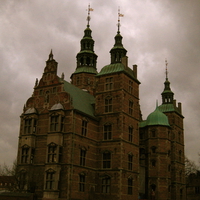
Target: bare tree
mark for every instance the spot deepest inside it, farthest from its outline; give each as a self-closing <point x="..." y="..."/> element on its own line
<point x="190" y="167"/>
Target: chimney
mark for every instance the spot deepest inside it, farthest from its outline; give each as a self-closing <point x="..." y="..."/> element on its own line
<point x="174" y="103"/>
<point x="125" y="61"/>
<point x="135" y="70"/>
<point x="180" y="107"/>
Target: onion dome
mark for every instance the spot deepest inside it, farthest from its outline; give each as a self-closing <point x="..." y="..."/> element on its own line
<point x="157" y="118"/>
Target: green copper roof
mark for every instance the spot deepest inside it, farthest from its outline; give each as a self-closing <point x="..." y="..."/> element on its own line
<point x="155" y="118"/>
<point x="86" y="70"/>
<point x="169" y="108"/>
<point x="114" y="68"/>
<point x="80" y="99"/>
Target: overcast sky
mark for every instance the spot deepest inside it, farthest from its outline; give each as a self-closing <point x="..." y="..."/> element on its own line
<point x="152" y="30"/>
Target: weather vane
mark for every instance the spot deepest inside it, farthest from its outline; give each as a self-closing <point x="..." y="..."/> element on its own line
<point x="119" y="15"/>
<point x="88" y="17"/>
<point x="166" y="63"/>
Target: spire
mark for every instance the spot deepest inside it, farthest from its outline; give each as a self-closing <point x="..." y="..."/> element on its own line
<point x="50" y="56"/>
<point x="118" y="51"/>
<point x="86" y="57"/>
<point x="167" y="94"/>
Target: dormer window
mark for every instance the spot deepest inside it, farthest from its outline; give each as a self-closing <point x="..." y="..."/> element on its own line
<point x="30" y="121"/>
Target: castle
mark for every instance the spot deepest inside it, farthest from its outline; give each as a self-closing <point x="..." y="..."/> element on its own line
<point x="87" y="140"/>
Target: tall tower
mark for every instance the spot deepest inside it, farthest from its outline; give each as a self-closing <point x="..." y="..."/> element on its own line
<point x="176" y="135"/>
<point x="86" y="61"/>
<point x="162" y="150"/>
<point x="117" y="107"/>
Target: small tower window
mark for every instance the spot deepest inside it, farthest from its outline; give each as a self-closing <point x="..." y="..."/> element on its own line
<point x="82" y="157"/>
<point x="130" y="186"/>
<point x="106" y="160"/>
<point x="52" y="153"/>
<point x="82" y="182"/>
<point x="130" y="161"/>
<point x="106" y="185"/>
<point x="109" y="83"/>
<point x="50" y="179"/>
<point x="84" y="127"/>
<point x="108" y="104"/>
<point x="107" y="132"/>
<point x="131" y="87"/>
<point x="25" y="154"/>
<point x="130" y="134"/>
<point x="130" y="107"/>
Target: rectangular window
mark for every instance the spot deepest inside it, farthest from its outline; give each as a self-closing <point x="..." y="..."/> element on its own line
<point x="50" y="180"/>
<point x="130" y="161"/>
<point x="25" y="155"/>
<point x="106" y="185"/>
<point x="84" y="128"/>
<point x="107" y="132"/>
<point x="130" y="134"/>
<point x="52" y="151"/>
<point x="109" y="83"/>
<point x="82" y="157"/>
<point x="82" y="183"/>
<point x="106" y="160"/>
<point x="130" y="108"/>
<point x="54" y="123"/>
<point x="27" y="126"/>
<point x="130" y="186"/>
<point x="197" y="190"/>
<point x="22" y="180"/>
<point x="131" y="87"/>
<point x="108" y="104"/>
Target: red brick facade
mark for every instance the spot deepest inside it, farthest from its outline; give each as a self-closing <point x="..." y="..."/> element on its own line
<point x="82" y="141"/>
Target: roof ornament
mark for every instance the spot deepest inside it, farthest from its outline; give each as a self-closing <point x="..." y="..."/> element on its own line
<point x="88" y="17"/>
<point x="36" y="82"/>
<point x="51" y="55"/>
<point x="63" y="76"/>
<point x="118" y="24"/>
<point x="166" y="71"/>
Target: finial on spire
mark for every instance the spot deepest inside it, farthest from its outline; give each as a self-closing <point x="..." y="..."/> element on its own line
<point x="156" y="103"/>
<point x="166" y="63"/>
<point x="51" y="55"/>
<point x="119" y="15"/>
<point x="88" y="17"/>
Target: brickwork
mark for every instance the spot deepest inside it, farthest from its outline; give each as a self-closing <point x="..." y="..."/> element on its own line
<point x="83" y="141"/>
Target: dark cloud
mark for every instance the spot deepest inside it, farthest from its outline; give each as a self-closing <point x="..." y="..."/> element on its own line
<point x="152" y="31"/>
